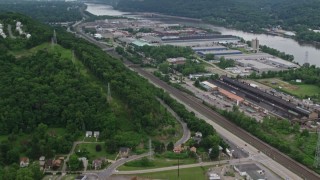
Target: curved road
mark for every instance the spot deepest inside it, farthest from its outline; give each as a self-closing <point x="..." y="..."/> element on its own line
<point x="186" y="132"/>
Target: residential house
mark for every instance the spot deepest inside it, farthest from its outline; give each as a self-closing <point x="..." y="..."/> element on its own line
<point x="124" y="152"/>
<point x="213" y="176"/>
<point x="193" y="149"/>
<point x="198" y="137"/>
<point x="83" y="160"/>
<point x="89" y="134"/>
<point x="97" y="163"/>
<point x="42" y="162"/>
<point x="56" y="164"/>
<point x="178" y="149"/>
<point x="48" y="164"/>
<point x="24" y="162"/>
<point x="96" y="134"/>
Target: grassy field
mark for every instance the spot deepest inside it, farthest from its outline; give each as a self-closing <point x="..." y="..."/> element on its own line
<point x="93" y="154"/>
<point x="65" y="53"/>
<point x="158" y="163"/>
<point x="196" y="173"/>
<point x="299" y="90"/>
<point x="66" y="177"/>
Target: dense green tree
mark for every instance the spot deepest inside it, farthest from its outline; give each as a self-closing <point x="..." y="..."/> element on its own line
<point x="170" y="146"/>
<point x="74" y="163"/>
<point x="25" y="174"/>
<point x="214" y="152"/>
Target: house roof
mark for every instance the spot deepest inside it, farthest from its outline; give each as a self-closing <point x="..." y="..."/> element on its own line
<point x="48" y="162"/>
<point x="24" y="159"/>
<point x="140" y="43"/>
<point x="97" y="162"/>
<point x="124" y="149"/>
<point x="57" y="162"/>
<point x="193" y="149"/>
<point x="42" y="158"/>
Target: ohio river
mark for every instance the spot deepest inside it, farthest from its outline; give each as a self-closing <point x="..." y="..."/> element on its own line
<point x="283" y="44"/>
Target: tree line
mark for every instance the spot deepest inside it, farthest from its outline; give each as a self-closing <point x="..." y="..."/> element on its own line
<point x="250" y="16"/>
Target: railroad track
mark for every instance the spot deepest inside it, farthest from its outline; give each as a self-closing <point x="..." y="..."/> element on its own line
<point x="273" y="153"/>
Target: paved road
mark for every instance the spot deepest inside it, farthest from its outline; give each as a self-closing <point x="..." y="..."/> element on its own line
<point x="186" y="132"/>
<point x="105" y="174"/>
<point x="183" y="166"/>
<point x="10" y="32"/>
<point x="64" y="167"/>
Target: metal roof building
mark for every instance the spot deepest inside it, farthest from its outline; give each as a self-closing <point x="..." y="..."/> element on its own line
<point x="268" y="97"/>
<point x="221" y="52"/>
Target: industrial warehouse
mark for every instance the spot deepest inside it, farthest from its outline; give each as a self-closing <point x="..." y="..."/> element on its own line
<point x="274" y="104"/>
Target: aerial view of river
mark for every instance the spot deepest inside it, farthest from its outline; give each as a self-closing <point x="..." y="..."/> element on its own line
<point x="283" y="44"/>
<point x="102" y="9"/>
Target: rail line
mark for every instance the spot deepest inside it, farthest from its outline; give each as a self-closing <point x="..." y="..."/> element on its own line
<point x="273" y="153"/>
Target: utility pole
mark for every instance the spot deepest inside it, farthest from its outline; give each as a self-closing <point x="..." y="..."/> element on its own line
<point x="109" y="93"/>
<point x="178" y="167"/>
<point x="317" y="155"/>
<point x="150" y="149"/>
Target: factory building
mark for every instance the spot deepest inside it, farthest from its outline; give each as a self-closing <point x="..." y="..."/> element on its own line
<point x="196" y="76"/>
<point x="256" y="56"/>
<point x="209" y="48"/>
<point x="139" y="43"/>
<point x="281" y="63"/>
<point x="176" y="61"/>
<point x="219" y="52"/>
<point x="208" y="86"/>
<point x="255" y="45"/>
<point x="276" y="102"/>
<point x="231" y="96"/>
<point x="257" y="66"/>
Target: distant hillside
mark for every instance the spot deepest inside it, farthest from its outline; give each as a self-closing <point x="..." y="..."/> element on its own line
<point x="44" y="11"/>
<point x="248" y="15"/>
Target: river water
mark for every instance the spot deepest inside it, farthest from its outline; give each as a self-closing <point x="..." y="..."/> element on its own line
<point x="102" y="9"/>
<point x="283" y="44"/>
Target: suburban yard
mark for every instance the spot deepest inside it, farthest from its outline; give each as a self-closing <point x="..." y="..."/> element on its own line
<point x="158" y="163"/>
<point x="92" y="153"/>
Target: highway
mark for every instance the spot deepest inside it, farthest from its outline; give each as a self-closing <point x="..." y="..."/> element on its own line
<point x="196" y="104"/>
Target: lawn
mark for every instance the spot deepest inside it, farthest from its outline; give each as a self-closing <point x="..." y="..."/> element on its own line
<point x="65" y="53"/>
<point x="299" y="90"/>
<point x="198" y="173"/>
<point x="158" y="163"/>
<point x="3" y="137"/>
<point x="92" y="153"/>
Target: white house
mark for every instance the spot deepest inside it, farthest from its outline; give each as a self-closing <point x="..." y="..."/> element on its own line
<point x="96" y="134"/>
<point x="89" y="134"/>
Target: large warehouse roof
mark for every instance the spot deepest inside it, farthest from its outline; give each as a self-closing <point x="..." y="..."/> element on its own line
<point x="266" y="96"/>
